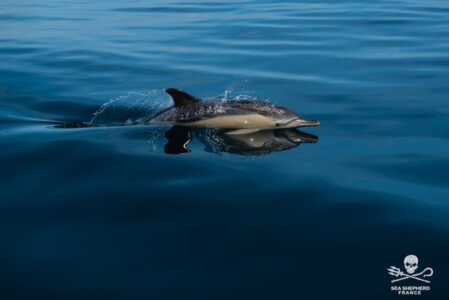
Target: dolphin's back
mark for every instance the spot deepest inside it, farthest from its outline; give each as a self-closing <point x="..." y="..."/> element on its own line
<point x="195" y="112"/>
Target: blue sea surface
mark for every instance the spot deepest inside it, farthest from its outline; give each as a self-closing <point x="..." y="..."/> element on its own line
<point x="110" y="212"/>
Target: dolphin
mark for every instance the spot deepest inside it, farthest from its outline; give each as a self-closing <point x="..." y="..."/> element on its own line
<point x="249" y="115"/>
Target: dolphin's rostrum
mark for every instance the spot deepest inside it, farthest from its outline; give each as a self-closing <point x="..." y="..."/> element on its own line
<point x="237" y="114"/>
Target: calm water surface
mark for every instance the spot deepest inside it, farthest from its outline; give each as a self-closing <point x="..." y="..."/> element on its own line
<point x="103" y="212"/>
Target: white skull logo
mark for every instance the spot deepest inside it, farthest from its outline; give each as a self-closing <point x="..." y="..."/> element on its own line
<point x="411" y="263"/>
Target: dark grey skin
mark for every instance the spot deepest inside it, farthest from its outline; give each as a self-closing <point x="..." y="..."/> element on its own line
<point x="237" y="114"/>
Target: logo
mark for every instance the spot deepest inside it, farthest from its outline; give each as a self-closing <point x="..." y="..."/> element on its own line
<point x="410" y="276"/>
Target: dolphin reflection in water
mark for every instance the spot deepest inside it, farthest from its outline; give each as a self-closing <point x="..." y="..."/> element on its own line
<point x="255" y="143"/>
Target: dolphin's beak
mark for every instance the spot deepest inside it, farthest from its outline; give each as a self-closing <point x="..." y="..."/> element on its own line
<point x="304" y="123"/>
<point x="297" y="122"/>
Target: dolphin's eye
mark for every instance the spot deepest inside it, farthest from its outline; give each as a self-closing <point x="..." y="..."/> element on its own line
<point x="278" y="124"/>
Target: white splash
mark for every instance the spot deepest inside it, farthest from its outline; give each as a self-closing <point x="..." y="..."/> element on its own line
<point x="130" y="108"/>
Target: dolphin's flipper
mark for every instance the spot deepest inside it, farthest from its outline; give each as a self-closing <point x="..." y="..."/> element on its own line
<point x="178" y="137"/>
<point x="181" y="98"/>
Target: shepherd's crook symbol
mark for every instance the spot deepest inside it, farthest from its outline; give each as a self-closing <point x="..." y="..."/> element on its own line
<point x="396" y="272"/>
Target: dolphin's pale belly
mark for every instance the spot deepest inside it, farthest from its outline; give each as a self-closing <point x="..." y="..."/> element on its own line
<point x="248" y="121"/>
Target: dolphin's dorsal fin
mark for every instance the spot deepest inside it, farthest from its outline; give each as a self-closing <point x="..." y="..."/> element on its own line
<point x="181" y="98"/>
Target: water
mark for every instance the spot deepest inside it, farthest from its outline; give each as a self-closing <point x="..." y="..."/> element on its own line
<point x="104" y="212"/>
